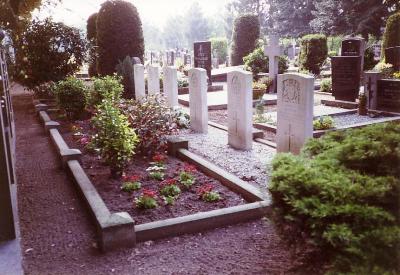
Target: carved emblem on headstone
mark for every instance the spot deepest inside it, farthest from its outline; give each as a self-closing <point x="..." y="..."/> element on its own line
<point x="291" y="91"/>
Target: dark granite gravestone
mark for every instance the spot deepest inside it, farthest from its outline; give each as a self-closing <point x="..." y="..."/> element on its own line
<point x="346" y="72"/>
<point x="392" y="56"/>
<point x="388" y="95"/>
<point x="354" y="46"/>
<point x="202" y="57"/>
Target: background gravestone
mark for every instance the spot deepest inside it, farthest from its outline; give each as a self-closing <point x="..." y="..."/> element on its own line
<point x="392" y="56"/>
<point x="198" y="100"/>
<point x="346" y="75"/>
<point x="138" y="76"/>
<point x="153" y="80"/>
<point x="170" y="85"/>
<point x="240" y="110"/>
<point x="202" y="57"/>
<point x="371" y="88"/>
<point x="295" y="111"/>
<point x="354" y="46"/>
<point x="388" y="95"/>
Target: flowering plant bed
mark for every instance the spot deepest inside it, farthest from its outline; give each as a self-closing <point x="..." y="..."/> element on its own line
<point x="151" y="188"/>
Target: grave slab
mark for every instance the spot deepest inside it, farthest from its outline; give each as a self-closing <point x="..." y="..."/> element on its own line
<point x="170" y="83"/>
<point x="198" y="99"/>
<point x="138" y="71"/>
<point x="153" y="80"/>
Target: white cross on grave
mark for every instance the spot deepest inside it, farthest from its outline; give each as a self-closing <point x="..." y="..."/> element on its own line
<point x="273" y="51"/>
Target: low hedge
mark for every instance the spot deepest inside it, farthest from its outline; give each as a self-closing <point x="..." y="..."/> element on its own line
<point x="257" y="62"/>
<point x="343" y="192"/>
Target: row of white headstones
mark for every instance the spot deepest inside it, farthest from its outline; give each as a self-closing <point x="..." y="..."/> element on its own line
<point x="295" y="104"/>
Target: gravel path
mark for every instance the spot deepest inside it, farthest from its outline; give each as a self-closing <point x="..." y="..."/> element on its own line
<point x="58" y="236"/>
<point x="346" y="120"/>
<point x="251" y="166"/>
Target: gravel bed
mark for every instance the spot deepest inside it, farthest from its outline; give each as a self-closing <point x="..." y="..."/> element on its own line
<point x="251" y="166"/>
<point x="346" y="120"/>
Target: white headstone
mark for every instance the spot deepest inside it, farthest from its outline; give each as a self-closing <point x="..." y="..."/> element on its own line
<point x="153" y="80"/>
<point x="240" y="102"/>
<point x="138" y="74"/>
<point x="295" y="111"/>
<point x="273" y="51"/>
<point x="198" y="100"/>
<point x="170" y="83"/>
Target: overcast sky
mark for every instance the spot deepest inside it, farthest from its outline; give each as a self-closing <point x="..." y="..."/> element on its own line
<point x="76" y="12"/>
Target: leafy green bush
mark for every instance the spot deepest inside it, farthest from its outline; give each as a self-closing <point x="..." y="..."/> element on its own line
<point x="48" y="51"/>
<point x="246" y="31"/>
<point x="125" y="70"/>
<point x="71" y="96"/>
<point x="119" y="34"/>
<point x="326" y="85"/>
<point x="45" y="90"/>
<point x="153" y="121"/>
<point x="115" y="139"/>
<point x="219" y="45"/>
<point x="257" y="62"/>
<point x="343" y="192"/>
<point x="313" y="52"/>
<point x="323" y="123"/>
<point x="391" y="37"/>
<point x="107" y="87"/>
<point x="369" y="59"/>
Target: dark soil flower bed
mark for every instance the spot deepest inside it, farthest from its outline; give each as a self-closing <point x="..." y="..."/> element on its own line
<point x="188" y="202"/>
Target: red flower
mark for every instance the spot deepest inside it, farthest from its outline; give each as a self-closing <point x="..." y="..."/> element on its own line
<point x="168" y="182"/>
<point x="189" y="168"/>
<point x="84" y="140"/>
<point x="149" y="193"/>
<point x="204" y="189"/>
<point x="159" y="157"/>
<point x="132" y="178"/>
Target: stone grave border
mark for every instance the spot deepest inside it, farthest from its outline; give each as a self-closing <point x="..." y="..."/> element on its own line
<point x="115" y="230"/>
<point x="318" y="133"/>
<point x="225" y="106"/>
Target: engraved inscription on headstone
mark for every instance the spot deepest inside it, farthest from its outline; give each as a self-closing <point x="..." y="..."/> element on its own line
<point x="388" y="95"/>
<point x="346" y="77"/>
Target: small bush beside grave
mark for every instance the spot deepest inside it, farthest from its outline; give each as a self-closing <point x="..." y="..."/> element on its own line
<point x="108" y="87"/>
<point x="391" y="37"/>
<point x="326" y="85"/>
<point x="342" y="192"/>
<point x="257" y="62"/>
<point x="71" y="96"/>
<point x="323" y="123"/>
<point x="313" y="52"/>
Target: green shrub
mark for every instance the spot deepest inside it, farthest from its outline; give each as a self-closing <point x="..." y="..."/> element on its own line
<point x="256" y="62"/>
<point x="115" y="139"/>
<point x="326" y="85"/>
<point x="107" y="87"/>
<point x="119" y="34"/>
<point x="343" y="192"/>
<point x="323" y="123"/>
<point x="45" y="90"/>
<point x="125" y="70"/>
<point x="71" y="96"/>
<point x="91" y="36"/>
<point x="48" y="51"/>
<point x="183" y="83"/>
<point x="219" y="45"/>
<point x="246" y="31"/>
<point x="332" y="53"/>
<point x="153" y="121"/>
<point x="391" y="37"/>
<point x="313" y="52"/>
<point x="369" y="59"/>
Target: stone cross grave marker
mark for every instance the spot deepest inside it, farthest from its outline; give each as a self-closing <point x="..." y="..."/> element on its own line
<point x="170" y="83"/>
<point x="240" y="99"/>
<point x="198" y="100"/>
<point x="138" y="74"/>
<point x="153" y="80"/>
<point x="295" y="111"/>
<point x="273" y="51"/>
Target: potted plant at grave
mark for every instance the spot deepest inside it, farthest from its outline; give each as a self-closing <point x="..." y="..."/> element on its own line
<point x="362" y="104"/>
<point x="258" y="90"/>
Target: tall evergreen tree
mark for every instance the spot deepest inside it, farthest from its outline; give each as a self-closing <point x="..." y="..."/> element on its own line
<point x="197" y="28"/>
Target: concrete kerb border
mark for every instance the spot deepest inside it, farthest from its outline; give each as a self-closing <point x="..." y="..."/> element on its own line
<point x="117" y="230"/>
<point x="114" y="230"/>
